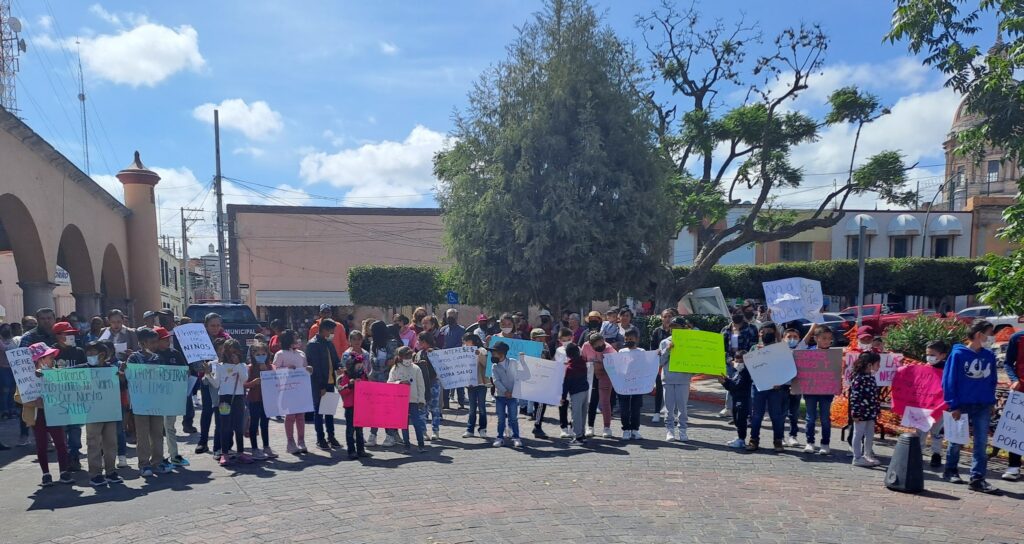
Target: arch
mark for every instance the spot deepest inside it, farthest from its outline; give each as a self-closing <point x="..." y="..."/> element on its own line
<point x="73" y="256"/>
<point x="853" y="226"/>
<point x="112" y="280"/>
<point x="18" y="232"/>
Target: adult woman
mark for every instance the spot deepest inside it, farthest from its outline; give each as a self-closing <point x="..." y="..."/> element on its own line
<point x="738" y="336"/>
<point x="382" y="353"/>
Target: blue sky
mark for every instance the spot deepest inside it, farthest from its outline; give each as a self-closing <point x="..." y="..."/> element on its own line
<point x="349" y="100"/>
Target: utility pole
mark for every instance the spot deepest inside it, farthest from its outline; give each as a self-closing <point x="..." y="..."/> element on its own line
<point x="220" y="211"/>
<point x="861" y="237"/>
<point x="184" y="249"/>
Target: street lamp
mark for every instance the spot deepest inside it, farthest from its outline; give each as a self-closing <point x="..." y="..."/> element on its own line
<point x="928" y="212"/>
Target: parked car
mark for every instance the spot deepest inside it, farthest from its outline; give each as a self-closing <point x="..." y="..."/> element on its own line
<point x="238" y="319"/>
<point x="880" y="316"/>
<point x="839" y="323"/>
<point x="987" y="313"/>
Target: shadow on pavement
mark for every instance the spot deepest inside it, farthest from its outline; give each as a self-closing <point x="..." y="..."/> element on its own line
<point x="61" y="496"/>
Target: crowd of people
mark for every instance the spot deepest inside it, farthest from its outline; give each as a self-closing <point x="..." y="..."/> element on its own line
<point x="337" y="357"/>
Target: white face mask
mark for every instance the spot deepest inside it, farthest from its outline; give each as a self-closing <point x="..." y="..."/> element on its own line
<point x="566" y="342"/>
<point x="931" y="359"/>
<point x="93" y="360"/>
<point x="740" y="367"/>
<point x="69" y="340"/>
<point x="989" y="341"/>
<point x="330" y="337"/>
<point x="506" y="330"/>
<point x="864" y="347"/>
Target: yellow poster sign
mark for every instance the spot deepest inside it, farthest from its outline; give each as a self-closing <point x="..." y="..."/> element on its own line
<point x="697" y="352"/>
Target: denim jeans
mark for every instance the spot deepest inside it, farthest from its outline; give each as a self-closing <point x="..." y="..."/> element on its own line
<point x="189" y="418"/>
<point x="230" y="425"/>
<point x="353" y="435"/>
<point x="774" y="402"/>
<point x="321" y="421"/>
<point x="477" y="405"/>
<point x="819" y="406"/>
<point x="433" y="407"/>
<point x="206" y="416"/>
<point x="258" y="423"/>
<point x="74" y="433"/>
<point x="506" y="409"/>
<point x="978" y="416"/>
<point x="416" y="419"/>
<point x="793" y="414"/>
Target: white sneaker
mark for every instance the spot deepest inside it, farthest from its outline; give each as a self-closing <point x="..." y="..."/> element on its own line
<point x="824" y="451"/>
<point x="565" y="433"/>
<point x="725" y="413"/>
<point x="790" y="441"/>
<point x="1012" y="474"/>
<point x="433" y="436"/>
<point x="498" y="442"/>
<point x="258" y="454"/>
<point x="516" y="443"/>
<point x="683" y="437"/>
<point x="670" y="436"/>
<point x="269" y="453"/>
<point x="809" y="448"/>
<point x="626" y="435"/>
<point x="664" y="411"/>
<point x="655" y="418"/>
<point x="122" y="461"/>
<point x="372" y="441"/>
<point x="589" y="433"/>
<point x="388" y="442"/>
<point x="637" y="436"/>
<point x="862" y="462"/>
<point x="467" y="434"/>
<point x="737" y="443"/>
<point x="482" y="433"/>
<point x="607" y="433"/>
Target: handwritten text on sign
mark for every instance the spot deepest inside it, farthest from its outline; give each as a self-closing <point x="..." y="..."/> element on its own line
<point x="515" y="347"/>
<point x="539" y="380"/>
<point x="455" y="367"/>
<point x="286" y="391"/>
<point x="887" y="369"/>
<point x="697" y="352"/>
<point x="632" y="372"/>
<point x="818" y="372"/>
<point x="381" y="405"/>
<point x="76" y="396"/>
<point x="1010" y="431"/>
<point x="30" y="386"/>
<point x="194" y="342"/>
<point x="157" y="390"/>
<point x="770" y="366"/>
<point x="918" y="385"/>
<point x="794" y="298"/>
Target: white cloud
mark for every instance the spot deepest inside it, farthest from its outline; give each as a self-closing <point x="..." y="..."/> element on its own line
<point x="107" y="16"/>
<point x="46" y="23"/>
<point x="388" y="48"/>
<point x="257" y="121"/>
<point x="254" y="152"/>
<point x="401" y="172"/>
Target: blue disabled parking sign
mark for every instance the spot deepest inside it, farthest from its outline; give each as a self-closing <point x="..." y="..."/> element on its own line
<point x="453" y="297"/>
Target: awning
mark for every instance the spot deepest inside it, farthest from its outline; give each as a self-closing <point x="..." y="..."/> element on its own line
<point x="302" y="298"/>
<point x="904" y="224"/>
<point x="853" y="226"/>
<point x="945" y="225"/>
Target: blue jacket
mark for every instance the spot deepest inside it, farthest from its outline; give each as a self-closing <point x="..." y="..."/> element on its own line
<point x="969" y="377"/>
<point x="1012" y="353"/>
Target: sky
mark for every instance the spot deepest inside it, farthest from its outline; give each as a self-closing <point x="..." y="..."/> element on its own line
<point x="344" y="103"/>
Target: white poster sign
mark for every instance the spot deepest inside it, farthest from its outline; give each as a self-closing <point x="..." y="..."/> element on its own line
<point x="455" y="367"/>
<point x="1010" y="431"/>
<point x="329" y="403"/>
<point x="771" y="365"/>
<point x="917" y="418"/>
<point x="232" y="378"/>
<point x="539" y="380"/>
<point x="286" y="391"/>
<point x="194" y="342"/>
<point x="30" y="386"/>
<point x="956" y="431"/>
<point x="632" y="372"/>
<point x="887" y="369"/>
<point x="794" y="298"/>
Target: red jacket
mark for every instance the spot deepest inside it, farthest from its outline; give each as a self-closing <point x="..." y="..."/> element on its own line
<point x="348" y="395"/>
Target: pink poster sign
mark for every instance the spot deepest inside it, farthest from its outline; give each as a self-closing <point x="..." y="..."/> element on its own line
<point x="818" y="372"/>
<point x="918" y="385"/>
<point x="381" y="405"/>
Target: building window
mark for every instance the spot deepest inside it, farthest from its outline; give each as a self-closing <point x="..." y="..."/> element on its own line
<point x="960" y="174"/>
<point x="899" y="246"/>
<point x="795" y="251"/>
<point x="853" y="247"/>
<point x="942" y="246"/>
<point x="993" y="171"/>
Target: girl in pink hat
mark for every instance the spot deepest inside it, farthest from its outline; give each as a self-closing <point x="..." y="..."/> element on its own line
<point x="35" y="417"/>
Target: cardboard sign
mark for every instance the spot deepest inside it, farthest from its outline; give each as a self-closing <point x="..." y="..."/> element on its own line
<point x="157" y="390"/>
<point x="286" y="391"/>
<point x="632" y="372"/>
<point x="30" y="386"/>
<point x="194" y="342"/>
<point x="770" y="366"/>
<point x="887" y="369"/>
<point x="918" y="385"/>
<point x="794" y="298"/>
<point x="381" y="405"/>
<point x="538" y="380"/>
<point x="455" y="367"/>
<point x="697" y="352"/>
<point x="76" y="396"/>
<point x="1009" y="434"/>
<point x="956" y="432"/>
<point x="917" y="418"/>
<point x="515" y="347"/>
<point x="329" y="403"/>
<point x="818" y="372"/>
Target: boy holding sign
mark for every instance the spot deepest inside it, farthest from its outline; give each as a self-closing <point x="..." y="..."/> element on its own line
<point x="676" y="385"/>
<point x="171" y="357"/>
<point x="818" y="406"/>
<point x="149" y="430"/>
<point x="101" y="438"/>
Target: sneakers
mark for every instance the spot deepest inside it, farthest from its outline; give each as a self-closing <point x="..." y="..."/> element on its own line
<point x="482" y="433"/>
<point x="565" y="433"/>
<point x="65" y="478"/>
<point x="981" y="486"/>
<point x="627" y="435"/>
<point x="655" y="418"/>
<point x="777" y="445"/>
<point x="114" y="478"/>
<point x="323" y="445"/>
<point x="292" y="448"/>
<point x="372" y="441"/>
<point x="335" y="445"/>
<point x="953" y="478"/>
<point x="682" y="437"/>
<point x="97" y="480"/>
<point x="517" y="443"/>
<point x="862" y="462"/>
<point x="809" y="448"/>
<point x="164" y="468"/>
<point x="589" y="432"/>
<point x="725" y="413"/>
<point x="224" y="461"/>
<point x="936" y="461"/>
<point x="179" y="461"/>
<point x="433" y="436"/>
<point x="1012" y="474"/>
<point x="75" y="465"/>
<point x="670" y="436"/>
<point x="539" y="433"/>
<point x="122" y="461"/>
<point x="47" y="480"/>
<point x="302" y="448"/>
<point x="607" y="433"/>
<point x="201" y="449"/>
<point x="736" y="443"/>
<point x="27" y="441"/>
<point x="147" y="472"/>
<point x="791" y="441"/>
<point x="498" y="442"/>
<point x="388" y="442"/>
<point x="574" y="442"/>
<point x="871" y="459"/>
<point x="258" y="454"/>
<point x="752" y="445"/>
<point x="824" y="450"/>
<point x="636" y="435"/>
<point x="269" y="453"/>
<point x="467" y="434"/>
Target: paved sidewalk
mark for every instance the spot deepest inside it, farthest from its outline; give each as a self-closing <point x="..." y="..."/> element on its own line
<point x="463" y="490"/>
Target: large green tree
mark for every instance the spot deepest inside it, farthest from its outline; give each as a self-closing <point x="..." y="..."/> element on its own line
<point x="555" y="190"/>
<point x="722" y="99"/>
<point x="983" y="66"/>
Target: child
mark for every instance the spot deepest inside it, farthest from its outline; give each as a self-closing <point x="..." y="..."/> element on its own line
<point x="382" y="350"/>
<point x="677" y="387"/>
<point x="122" y="438"/>
<point x="864" y="407"/>
<point x="70" y="356"/>
<point x="565" y="337"/>
<point x="34" y="416"/>
<point x="773" y="401"/>
<point x="739" y="384"/>
<point x="355" y="367"/>
<point x="477" y="393"/>
<point x="877" y="344"/>
<point x="404" y="371"/>
<point x="170" y="356"/>
<point x="593" y="351"/>
<point x="229" y="379"/>
<point x="576" y="388"/>
<point x="503" y="376"/>
<point x="935" y="354"/>
<point x="101" y="438"/>
<point x="149" y="430"/>
<point x="818" y="406"/>
<point x="630" y="405"/>
<point x="792" y="338"/>
<point x="258" y="420"/>
<point x="432" y="386"/>
<point x="291" y="357"/>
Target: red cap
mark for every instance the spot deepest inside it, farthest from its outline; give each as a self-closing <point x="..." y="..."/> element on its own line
<point x="64" y="328"/>
<point x="865" y="329"/>
<point x="481" y="317"/>
<point x="865" y="336"/>
<point x="161" y="332"/>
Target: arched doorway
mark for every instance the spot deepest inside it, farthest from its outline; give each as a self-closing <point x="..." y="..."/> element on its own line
<point x="19" y="241"/>
<point x="113" y="288"/>
<point x="73" y="256"/>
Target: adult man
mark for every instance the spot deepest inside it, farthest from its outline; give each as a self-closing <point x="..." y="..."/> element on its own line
<point x="340" y="337"/>
<point x="69" y="356"/>
<point x="657" y="336"/>
<point x="1014" y="366"/>
<point x="95" y="329"/>
<point x="42" y="331"/>
<point x="124" y="339"/>
<point x="452" y="334"/>
<point x="326" y="363"/>
<point x="480" y="327"/>
<point x="149" y="319"/>
<point x="276" y="328"/>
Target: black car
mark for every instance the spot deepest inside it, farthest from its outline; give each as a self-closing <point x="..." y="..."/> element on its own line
<point x="839" y="323"/>
<point x="238" y="319"/>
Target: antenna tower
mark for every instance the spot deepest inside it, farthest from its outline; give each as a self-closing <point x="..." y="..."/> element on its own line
<point x="10" y="47"/>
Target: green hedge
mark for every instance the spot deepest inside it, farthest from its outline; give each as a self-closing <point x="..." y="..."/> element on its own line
<point x="705" y="322"/>
<point x="395" y="285"/>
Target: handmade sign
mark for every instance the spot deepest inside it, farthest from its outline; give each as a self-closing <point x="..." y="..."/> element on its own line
<point x="285" y="392"/>
<point x="887" y="369"/>
<point x="329" y="403"/>
<point x="632" y="372"/>
<point x="917" y="418"/>
<point x="538" y="380"/>
<point x="381" y="405"/>
<point x="76" y="396"/>
<point x="794" y="298"/>
<point x="157" y="390"/>
<point x="232" y="378"/>
<point x="30" y="386"/>
<point x="697" y="352"/>
<point x="918" y="385"/>
<point x="515" y="347"/>
<point x="1009" y="434"/>
<point x="956" y="431"/>
<point x="455" y="367"/>
<point x="818" y="372"/>
<point x="194" y="342"/>
<point x="770" y="366"/>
